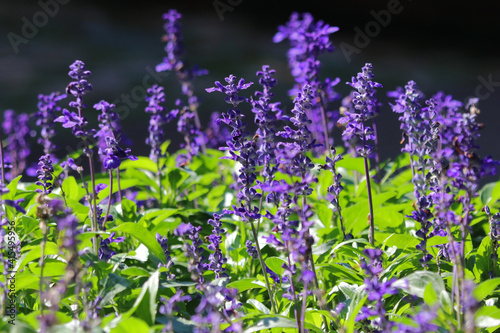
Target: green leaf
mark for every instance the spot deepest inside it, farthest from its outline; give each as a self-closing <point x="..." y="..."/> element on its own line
<point x="495" y="194"/>
<point x="430" y="297"/>
<point x="146" y="303"/>
<point x="128" y="210"/>
<point x="135" y="271"/>
<point x="483" y="264"/>
<point x="487" y="316"/>
<point x="51" y="268"/>
<point x="124" y="184"/>
<point x="485" y="288"/>
<point x="139" y="326"/>
<point x="245" y="284"/>
<point x="417" y="282"/>
<point x="29" y="224"/>
<point x="274" y="264"/>
<point x="114" y="285"/>
<point x="259" y="306"/>
<point x="144" y="236"/>
<point x="198" y="193"/>
<point x="35" y="253"/>
<point x="354" y="309"/>
<point x="398" y="240"/>
<point x="325" y="213"/>
<point x="265" y="322"/>
<point x="72" y="190"/>
<point x="356" y="216"/>
<point x="12" y="189"/>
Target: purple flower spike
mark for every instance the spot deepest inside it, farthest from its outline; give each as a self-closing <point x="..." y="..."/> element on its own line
<point x="80" y="86"/>
<point x="365" y="106"/>
<point x="45" y="117"/>
<point x="16" y="134"/>
<point x="376" y="290"/>
<point x="105" y="252"/>
<point x="155" y="97"/>
<point x="44" y="172"/>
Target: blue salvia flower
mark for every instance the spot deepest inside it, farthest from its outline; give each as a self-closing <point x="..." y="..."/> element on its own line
<point x="217" y="135"/>
<point x="163" y="241"/>
<point x="376" y="290"/>
<point x="45" y="177"/>
<point x="193" y="250"/>
<point x="239" y="147"/>
<point x="494" y="221"/>
<point x="365" y="108"/>
<point x="156" y="96"/>
<point x="251" y="250"/>
<point x="349" y="139"/>
<point x="418" y="127"/>
<point x="114" y="154"/>
<point x="169" y="307"/>
<point x="109" y="124"/>
<point x="217" y="305"/>
<point x="105" y="252"/>
<point x="16" y="134"/>
<point x="216" y="259"/>
<point x="309" y="39"/>
<point x="45" y="116"/>
<point x="267" y="115"/>
<point x="77" y="88"/>
<point x="188" y="123"/>
<point x="422" y="320"/>
<point x="335" y="189"/>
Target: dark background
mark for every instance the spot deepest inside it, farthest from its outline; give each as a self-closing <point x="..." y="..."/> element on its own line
<point x="442" y="45"/>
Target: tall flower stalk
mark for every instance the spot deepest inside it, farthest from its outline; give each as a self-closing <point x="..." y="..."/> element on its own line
<point x="189" y="121"/>
<point x="365" y="105"/>
<point x="243" y="151"/>
<point x="308" y="40"/>
<point x="159" y="117"/>
<point x="78" y="123"/>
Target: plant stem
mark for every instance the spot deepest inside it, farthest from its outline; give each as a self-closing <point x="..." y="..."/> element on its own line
<point x="292" y="285"/>
<point x="94" y="217"/>
<point x="119" y="185"/>
<point x="158" y="178"/>
<point x="257" y="246"/>
<point x="109" y="199"/>
<point x="370" y="203"/>
<point x="2" y="159"/>
<point x="41" y="263"/>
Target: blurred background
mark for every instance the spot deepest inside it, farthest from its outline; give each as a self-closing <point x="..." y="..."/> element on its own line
<point x="450" y="46"/>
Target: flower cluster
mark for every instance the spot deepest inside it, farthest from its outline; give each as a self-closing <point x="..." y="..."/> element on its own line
<point x="44" y="172"/>
<point x="16" y="134"/>
<point x="105" y="252"/>
<point x="365" y="107"/>
<point x="216" y="259"/>
<point x="78" y="88"/>
<point x="417" y="124"/>
<point x="188" y="123"/>
<point x="45" y="116"/>
<point x="335" y="189"/>
<point x="114" y="154"/>
<point x="309" y="39"/>
<point x="193" y="250"/>
<point x="157" y="121"/>
<point x="376" y="290"/>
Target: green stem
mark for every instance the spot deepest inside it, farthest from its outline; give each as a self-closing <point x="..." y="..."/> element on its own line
<point x="1" y="158"/>
<point x="158" y="178"/>
<point x="109" y="199"/>
<point x="370" y="203"/>
<point x="94" y="217"/>
<point x="257" y="246"/>
<point x="41" y="263"/>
